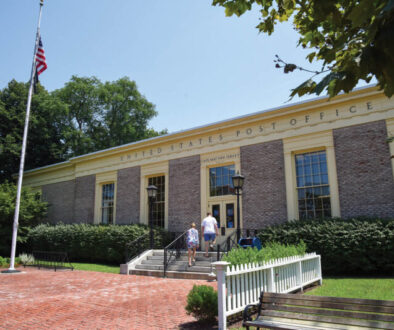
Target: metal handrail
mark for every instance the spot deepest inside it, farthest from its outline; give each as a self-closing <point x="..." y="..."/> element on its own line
<point x="134" y="248"/>
<point x="227" y="245"/>
<point x="173" y="250"/>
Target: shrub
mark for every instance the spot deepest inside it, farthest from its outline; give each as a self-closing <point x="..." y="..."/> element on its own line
<point x="26" y="259"/>
<point x="361" y="246"/>
<point x="272" y="250"/>
<point x="202" y="303"/>
<point x="92" y="243"/>
<point x="32" y="211"/>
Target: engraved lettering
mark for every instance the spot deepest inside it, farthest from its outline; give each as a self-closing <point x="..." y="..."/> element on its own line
<point x="210" y="139"/>
<point x="128" y="156"/>
<point x="143" y="154"/>
<point x="238" y="133"/>
<point x="307" y="118"/>
<point x="190" y="144"/>
<point x="220" y="137"/>
<point x="261" y="129"/>
<point x="369" y="106"/>
<point x="121" y="158"/>
<point x="200" y="141"/>
<point x="273" y="125"/>
<point x="172" y="147"/>
<point x="321" y="115"/>
<point x="151" y="152"/>
<point x="293" y="121"/>
<point x="352" y="109"/>
<point x="159" y="150"/>
<point x="181" y="145"/>
<point x="337" y="112"/>
<point x="249" y="131"/>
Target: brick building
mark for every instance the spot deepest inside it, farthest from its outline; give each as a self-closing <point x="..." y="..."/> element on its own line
<point x="311" y="159"/>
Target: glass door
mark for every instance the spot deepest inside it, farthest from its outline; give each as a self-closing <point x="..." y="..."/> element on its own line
<point x="224" y="213"/>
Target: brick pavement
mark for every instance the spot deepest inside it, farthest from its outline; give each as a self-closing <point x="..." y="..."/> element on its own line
<point x="44" y="299"/>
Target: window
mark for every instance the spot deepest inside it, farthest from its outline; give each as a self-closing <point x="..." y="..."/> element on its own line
<point x="107" y="203"/>
<point x="159" y="205"/>
<point x="220" y="182"/>
<point x="313" y="189"/>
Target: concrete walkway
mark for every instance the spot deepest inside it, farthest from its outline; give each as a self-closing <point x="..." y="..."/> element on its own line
<point x="44" y="299"/>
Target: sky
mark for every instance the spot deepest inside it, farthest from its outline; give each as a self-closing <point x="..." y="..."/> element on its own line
<point x="194" y="63"/>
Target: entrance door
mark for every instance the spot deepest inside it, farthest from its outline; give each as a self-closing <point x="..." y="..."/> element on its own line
<point x="224" y="213"/>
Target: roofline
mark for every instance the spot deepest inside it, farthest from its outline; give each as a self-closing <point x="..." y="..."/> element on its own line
<point x="266" y="111"/>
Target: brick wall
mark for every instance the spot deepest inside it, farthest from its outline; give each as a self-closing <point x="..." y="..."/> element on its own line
<point x="60" y="197"/>
<point x="264" y="192"/>
<point x="184" y="193"/>
<point x="84" y="199"/>
<point x="128" y="196"/>
<point x="365" y="176"/>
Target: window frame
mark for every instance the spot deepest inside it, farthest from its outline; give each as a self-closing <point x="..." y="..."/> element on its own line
<point x="304" y="144"/>
<point x="101" y="180"/>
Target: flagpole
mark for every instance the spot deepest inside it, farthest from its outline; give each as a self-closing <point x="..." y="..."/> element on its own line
<point x="22" y="162"/>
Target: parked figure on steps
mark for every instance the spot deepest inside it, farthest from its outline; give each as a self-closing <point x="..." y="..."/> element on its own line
<point x="210" y="231"/>
<point x="192" y="243"/>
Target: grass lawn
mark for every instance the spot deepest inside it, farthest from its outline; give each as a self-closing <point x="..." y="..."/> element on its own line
<point x="349" y="287"/>
<point x="96" y="267"/>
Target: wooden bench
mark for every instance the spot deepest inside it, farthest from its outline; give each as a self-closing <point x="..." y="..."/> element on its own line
<point x="297" y="311"/>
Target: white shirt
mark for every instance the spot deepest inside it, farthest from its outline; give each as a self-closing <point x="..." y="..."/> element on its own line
<point x="209" y="225"/>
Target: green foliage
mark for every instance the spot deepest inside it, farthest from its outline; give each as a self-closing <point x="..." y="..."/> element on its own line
<point x="5" y="262"/>
<point x="32" y="211"/>
<point x="354" y="39"/>
<point x="272" y="250"/>
<point x="202" y="303"/>
<point x="354" y="246"/>
<point x="45" y="143"/>
<point x="104" y="115"/>
<point x="93" y="243"/>
<point x="84" y="116"/>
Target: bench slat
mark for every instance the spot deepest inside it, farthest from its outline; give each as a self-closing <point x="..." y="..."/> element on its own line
<point x="364" y="316"/>
<point x="373" y="302"/>
<point x="328" y="319"/>
<point x="331" y="304"/>
<point x="281" y="325"/>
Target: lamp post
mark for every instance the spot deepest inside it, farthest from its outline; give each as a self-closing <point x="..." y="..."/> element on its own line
<point x="152" y="191"/>
<point x="238" y="182"/>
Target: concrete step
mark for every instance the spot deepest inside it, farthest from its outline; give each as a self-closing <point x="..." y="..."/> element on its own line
<point x="199" y="254"/>
<point x="173" y="274"/>
<point x="205" y="263"/>
<point x="185" y="258"/>
<point x="179" y="268"/>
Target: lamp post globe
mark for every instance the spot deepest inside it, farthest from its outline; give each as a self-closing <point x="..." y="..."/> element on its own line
<point x="238" y="182"/>
<point x="152" y="192"/>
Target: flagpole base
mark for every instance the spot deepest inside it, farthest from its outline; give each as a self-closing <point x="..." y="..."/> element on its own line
<point x="10" y="271"/>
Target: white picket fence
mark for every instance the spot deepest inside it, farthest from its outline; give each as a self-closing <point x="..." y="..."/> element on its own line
<point x="239" y="286"/>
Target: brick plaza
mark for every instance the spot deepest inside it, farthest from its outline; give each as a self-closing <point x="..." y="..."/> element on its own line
<point x="44" y="299"/>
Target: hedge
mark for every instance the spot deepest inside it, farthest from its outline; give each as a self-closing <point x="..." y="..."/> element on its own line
<point x="92" y="243"/>
<point x="360" y="246"/>
<point x="270" y="251"/>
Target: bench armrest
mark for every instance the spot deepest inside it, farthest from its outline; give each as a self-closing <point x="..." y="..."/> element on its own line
<point x="247" y="313"/>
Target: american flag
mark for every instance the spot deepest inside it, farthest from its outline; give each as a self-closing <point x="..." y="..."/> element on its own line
<point x="41" y="64"/>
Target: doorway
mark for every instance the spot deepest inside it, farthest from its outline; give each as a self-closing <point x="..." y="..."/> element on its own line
<point x="224" y="212"/>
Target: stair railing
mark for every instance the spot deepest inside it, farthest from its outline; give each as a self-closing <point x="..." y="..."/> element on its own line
<point x="136" y="247"/>
<point x="173" y="250"/>
<point x="227" y="245"/>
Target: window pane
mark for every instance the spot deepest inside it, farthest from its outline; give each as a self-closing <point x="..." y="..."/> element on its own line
<point x="311" y="172"/>
<point x="220" y="182"/>
<point x="107" y="203"/>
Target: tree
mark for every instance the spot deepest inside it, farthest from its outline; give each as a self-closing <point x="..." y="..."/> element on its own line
<point x="32" y="212"/>
<point x="45" y="144"/>
<point x="104" y="115"/>
<point x="125" y="113"/>
<point x="354" y="39"/>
